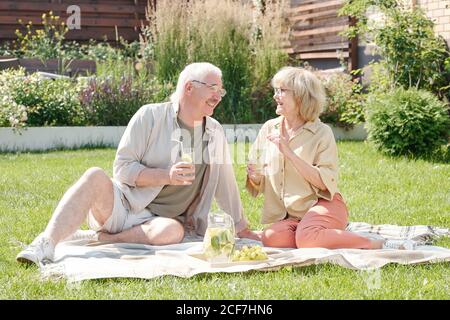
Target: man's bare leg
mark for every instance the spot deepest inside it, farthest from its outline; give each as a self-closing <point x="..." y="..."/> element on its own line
<point x="94" y="192"/>
<point x="158" y="231"/>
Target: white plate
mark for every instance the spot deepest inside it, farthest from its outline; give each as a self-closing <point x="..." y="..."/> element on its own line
<point x="269" y="251"/>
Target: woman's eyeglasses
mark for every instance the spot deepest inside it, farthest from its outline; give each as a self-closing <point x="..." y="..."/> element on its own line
<point x="280" y="91"/>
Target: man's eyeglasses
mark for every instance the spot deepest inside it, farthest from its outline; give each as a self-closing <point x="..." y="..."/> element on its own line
<point x="213" y="87"/>
<point x="280" y="91"/>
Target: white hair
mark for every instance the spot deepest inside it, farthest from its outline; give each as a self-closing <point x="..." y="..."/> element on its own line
<point x="194" y="71"/>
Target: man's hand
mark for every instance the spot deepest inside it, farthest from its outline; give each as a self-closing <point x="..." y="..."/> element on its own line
<point x="181" y="174"/>
<point x="247" y="233"/>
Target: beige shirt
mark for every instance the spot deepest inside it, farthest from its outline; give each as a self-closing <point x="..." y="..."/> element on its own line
<point x="286" y="192"/>
<point x="151" y="141"/>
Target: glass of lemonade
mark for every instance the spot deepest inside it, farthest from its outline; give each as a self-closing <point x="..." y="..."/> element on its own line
<point x="188" y="155"/>
<point x="257" y="160"/>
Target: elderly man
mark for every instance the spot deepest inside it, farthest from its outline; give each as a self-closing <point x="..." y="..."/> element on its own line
<point x="155" y="197"/>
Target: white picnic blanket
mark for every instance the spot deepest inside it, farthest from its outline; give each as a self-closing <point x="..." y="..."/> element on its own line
<point x="80" y="260"/>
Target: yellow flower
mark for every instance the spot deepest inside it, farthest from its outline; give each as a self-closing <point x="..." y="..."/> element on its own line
<point x="44" y="16"/>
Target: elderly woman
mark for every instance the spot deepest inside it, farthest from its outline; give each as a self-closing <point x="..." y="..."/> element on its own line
<point x="294" y="163"/>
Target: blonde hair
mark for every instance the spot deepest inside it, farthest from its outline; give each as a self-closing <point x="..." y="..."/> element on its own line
<point x="194" y="71"/>
<point x="309" y="93"/>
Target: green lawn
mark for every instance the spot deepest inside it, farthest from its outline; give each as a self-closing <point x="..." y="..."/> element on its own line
<point x="377" y="189"/>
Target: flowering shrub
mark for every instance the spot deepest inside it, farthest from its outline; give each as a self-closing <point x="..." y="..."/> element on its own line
<point x="11" y="113"/>
<point x="44" y="43"/>
<point x="109" y="102"/>
<point x="30" y="100"/>
<point x="112" y="100"/>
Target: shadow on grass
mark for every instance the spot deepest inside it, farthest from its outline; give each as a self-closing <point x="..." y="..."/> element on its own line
<point x="439" y="156"/>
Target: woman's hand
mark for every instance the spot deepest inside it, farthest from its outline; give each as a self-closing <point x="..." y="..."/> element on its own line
<point x="254" y="173"/>
<point x="249" y="234"/>
<point x="281" y="140"/>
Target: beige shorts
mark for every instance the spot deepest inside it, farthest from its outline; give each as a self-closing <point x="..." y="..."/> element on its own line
<point x="121" y="219"/>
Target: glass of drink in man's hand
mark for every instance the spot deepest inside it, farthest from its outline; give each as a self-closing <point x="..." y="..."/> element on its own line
<point x="188" y="156"/>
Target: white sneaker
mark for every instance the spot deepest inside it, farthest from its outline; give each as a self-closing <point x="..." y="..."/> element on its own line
<point x="83" y="235"/>
<point x="400" y="244"/>
<point x="40" y="251"/>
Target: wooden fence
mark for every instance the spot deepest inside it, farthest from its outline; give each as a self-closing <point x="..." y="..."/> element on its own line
<point x="99" y="18"/>
<point x="315" y="27"/>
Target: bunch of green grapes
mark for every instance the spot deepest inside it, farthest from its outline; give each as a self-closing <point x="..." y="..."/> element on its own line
<point x="249" y="253"/>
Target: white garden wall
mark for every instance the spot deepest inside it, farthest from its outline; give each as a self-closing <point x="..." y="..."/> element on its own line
<point x="46" y="138"/>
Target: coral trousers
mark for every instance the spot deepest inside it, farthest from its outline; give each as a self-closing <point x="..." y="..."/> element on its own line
<point x="322" y="226"/>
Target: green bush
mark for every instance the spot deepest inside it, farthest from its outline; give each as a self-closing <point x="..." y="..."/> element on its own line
<point x="407" y="122"/>
<point x="55" y="104"/>
<point x="345" y="101"/>
<point x="413" y="56"/>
